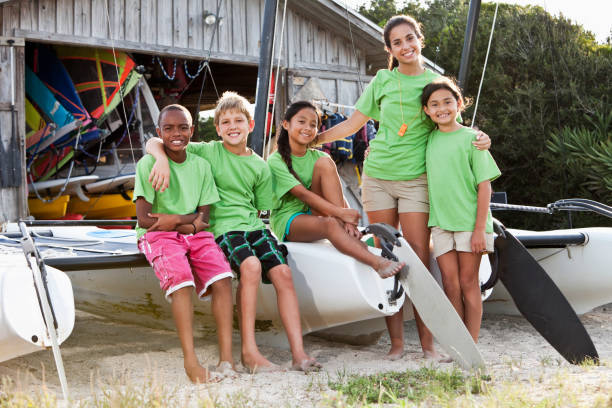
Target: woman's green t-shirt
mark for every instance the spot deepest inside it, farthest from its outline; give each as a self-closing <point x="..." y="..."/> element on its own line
<point x="282" y="180"/>
<point x="394" y="157"/>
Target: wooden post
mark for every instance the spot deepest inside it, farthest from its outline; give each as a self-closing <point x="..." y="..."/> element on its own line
<point x="13" y="196"/>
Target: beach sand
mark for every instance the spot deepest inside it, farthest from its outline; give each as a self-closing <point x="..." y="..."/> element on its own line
<point x="102" y="354"/>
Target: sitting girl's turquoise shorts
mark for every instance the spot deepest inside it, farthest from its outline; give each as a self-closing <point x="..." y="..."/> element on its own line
<point x="286" y="234"/>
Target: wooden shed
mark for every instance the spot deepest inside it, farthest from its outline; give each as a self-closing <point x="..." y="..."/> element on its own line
<point x="323" y="40"/>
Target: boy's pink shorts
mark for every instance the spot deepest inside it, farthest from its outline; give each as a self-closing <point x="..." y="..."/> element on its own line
<point x="185" y="260"/>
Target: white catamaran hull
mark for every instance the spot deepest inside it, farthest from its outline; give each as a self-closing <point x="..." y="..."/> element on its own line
<point x="583" y="272"/>
<point x="22" y="327"/>
<point x="333" y="289"/>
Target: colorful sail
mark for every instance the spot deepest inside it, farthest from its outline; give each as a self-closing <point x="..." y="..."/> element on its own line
<point x="44" y="99"/>
<point x="42" y="61"/>
<point x="101" y="77"/>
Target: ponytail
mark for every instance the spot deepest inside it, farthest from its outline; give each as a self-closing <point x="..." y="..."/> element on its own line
<point x="284" y="149"/>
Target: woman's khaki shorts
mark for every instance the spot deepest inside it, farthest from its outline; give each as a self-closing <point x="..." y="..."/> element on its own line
<point x="460" y="241"/>
<point x="405" y="195"/>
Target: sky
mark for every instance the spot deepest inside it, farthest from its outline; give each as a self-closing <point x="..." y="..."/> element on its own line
<point x="593" y="15"/>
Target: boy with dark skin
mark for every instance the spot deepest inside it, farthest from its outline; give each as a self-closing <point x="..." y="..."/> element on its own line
<point x="171" y="231"/>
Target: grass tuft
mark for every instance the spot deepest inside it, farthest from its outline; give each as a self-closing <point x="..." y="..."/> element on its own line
<point x="412" y="385"/>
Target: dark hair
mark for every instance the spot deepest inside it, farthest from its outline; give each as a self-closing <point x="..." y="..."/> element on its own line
<point x="443" y="83"/>
<point x="282" y="142"/>
<point x="174" y="107"/>
<point x="391" y="24"/>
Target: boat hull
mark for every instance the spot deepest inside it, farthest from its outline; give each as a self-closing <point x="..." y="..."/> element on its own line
<point x="583" y="272"/>
<point x="22" y="327"/>
<point x="333" y="289"/>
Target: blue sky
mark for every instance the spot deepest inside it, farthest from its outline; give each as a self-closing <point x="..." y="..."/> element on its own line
<point x="594" y="15"/>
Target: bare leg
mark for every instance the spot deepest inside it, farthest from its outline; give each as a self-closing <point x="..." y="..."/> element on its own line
<point x="469" y="264"/>
<point x="416" y="233"/>
<point x="395" y="323"/>
<point x="222" y="310"/>
<point x="449" y="267"/>
<point x="250" y="276"/>
<point x="326" y="183"/>
<point x="309" y="228"/>
<point x="182" y="311"/>
<point x="289" y="311"/>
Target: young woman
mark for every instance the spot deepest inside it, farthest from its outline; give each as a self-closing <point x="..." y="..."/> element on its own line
<point x="459" y="173"/>
<point x="394" y="189"/>
<point x="310" y="203"/>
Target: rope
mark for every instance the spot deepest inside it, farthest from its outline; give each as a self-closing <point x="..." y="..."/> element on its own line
<point x="207" y="63"/>
<point x="161" y="65"/>
<point x="353" y="45"/>
<point x="200" y="68"/>
<point x="47" y="201"/>
<point x="119" y="80"/>
<point x="484" y="68"/>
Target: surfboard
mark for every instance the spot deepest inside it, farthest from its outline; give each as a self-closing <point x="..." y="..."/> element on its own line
<point x="540" y="301"/>
<point x="74" y="185"/>
<point x="125" y="182"/>
<point x="435" y="309"/>
<point x="429" y="299"/>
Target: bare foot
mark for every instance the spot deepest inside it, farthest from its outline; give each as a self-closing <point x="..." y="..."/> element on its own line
<point x="395" y="353"/>
<point x="258" y="363"/>
<point x="434" y="355"/>
<point x="196" y="373"/>
<point x="308" y="365"/>
<point x="225" y="368"/>
<point x="387" y="268"/>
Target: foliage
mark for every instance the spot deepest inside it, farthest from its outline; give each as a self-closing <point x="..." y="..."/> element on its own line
<point x="546" y="78"/>
<point x="586" y="153"/>
<point x="206" y="130"/>
<point x="413" y="385"/>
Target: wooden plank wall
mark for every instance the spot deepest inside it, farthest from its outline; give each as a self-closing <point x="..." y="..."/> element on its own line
<point x="13" y="200"/>
<point x="175" y="27"/>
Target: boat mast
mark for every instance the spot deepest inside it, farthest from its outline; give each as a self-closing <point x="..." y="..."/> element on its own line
<point x="468" y="43"/>
<point x="263" y="76"/>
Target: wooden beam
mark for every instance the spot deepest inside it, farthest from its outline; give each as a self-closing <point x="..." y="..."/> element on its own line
<point x="131" y="46"/>
<point x="17" y="42"/>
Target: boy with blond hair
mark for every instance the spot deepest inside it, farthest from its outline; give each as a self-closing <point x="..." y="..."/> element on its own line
<point x="244" y="183"/>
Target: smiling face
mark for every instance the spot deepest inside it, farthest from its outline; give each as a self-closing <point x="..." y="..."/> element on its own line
<point x="302" y="127"/>
<point x="405" y="45"/>
<point x="175" y="129"/>
<point x="234" y="128"/>
<point x="442" y="107"/>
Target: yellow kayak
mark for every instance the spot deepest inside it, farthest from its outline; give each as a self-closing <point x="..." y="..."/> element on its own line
<point x="48" y="211"/>
<point x="105" y="206"/>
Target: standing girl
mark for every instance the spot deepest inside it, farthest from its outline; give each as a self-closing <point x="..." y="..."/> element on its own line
<point x="460" y="174"/>
<point x="394" y="188"/>
<point x="310" y="203"/>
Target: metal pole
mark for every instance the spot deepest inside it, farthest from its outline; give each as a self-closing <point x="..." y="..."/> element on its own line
<point x="40" y="277"/>
<point x="468" y="43"/>
<point x="263" y="76"/>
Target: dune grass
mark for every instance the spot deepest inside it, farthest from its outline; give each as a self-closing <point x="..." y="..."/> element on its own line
<point x="411" y="385"/>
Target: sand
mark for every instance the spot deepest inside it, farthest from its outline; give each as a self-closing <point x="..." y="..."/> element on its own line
<point x="102" y="354"/>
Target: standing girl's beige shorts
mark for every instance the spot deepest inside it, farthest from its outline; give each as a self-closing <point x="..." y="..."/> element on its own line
<point x="405" y="195"/>
<point x="461" y="241"/>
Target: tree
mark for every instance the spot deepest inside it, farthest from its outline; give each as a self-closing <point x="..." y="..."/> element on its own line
<point x="545" y="75"/>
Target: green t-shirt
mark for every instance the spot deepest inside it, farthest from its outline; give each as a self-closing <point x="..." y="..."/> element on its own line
<point x="454" y="170"/>
<point x="394" y="157"/>
<point x="282" y="179"/>
<point x="192" y="186"/>
<point x="244" y="184"/>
